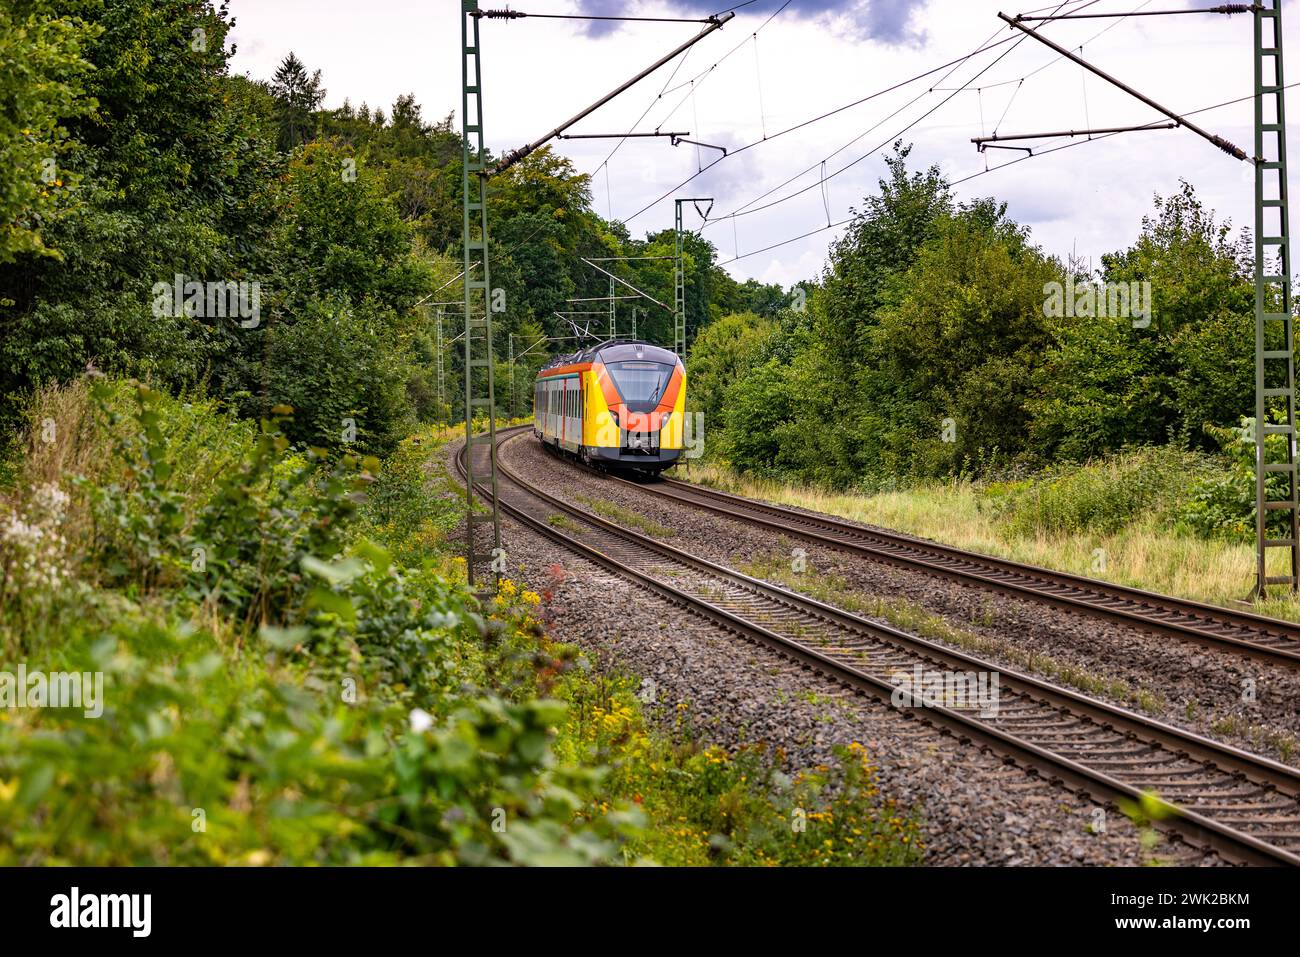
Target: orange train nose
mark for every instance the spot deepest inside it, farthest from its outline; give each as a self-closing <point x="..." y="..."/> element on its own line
<point x="642" y="421"/>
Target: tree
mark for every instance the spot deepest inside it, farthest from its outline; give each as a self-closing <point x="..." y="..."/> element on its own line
<point x="951" y="360"/>
<point x="879" y="243"/>
<point x="724" y="352"/>
<point x="40" y="88"/>
<point x="1108" y="382"/>
<point x="298" y="96"/>
<point x="173" y="177"/>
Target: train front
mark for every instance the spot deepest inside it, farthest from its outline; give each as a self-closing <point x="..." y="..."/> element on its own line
<point x="637" y="407"/>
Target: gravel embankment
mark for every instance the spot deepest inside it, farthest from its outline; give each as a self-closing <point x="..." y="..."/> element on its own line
<point x="1186" y="685"/>
<point x="976" y="808"/>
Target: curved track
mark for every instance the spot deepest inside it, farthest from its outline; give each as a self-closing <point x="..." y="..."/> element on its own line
<point x="1241" y="805"/>
<point x="1256" y="636"/>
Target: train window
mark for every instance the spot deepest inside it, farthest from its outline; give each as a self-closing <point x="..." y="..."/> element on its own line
<point x="640" y="381"/>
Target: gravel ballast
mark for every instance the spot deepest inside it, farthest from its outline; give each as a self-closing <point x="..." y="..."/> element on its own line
<point x="976" y="808"/>
<point x="1200" y="689"/>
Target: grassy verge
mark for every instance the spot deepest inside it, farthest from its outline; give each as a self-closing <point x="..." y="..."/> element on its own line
<point x="1082" y="524"/>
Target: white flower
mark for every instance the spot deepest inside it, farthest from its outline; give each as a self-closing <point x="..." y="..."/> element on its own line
<point x="421" y="720"/>
<point x="52" y="499"/>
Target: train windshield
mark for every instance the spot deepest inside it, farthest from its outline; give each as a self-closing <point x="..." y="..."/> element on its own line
<point x="639" y="381"/>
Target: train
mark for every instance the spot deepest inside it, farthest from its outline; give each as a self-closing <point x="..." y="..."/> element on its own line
<point x="619" y="405"/>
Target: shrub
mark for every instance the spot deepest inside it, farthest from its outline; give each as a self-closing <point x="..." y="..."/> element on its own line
<point x="1104" y="496"/>
<point x="1222" y="502"/>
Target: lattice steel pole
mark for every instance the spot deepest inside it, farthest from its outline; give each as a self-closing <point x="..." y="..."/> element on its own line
<point x="478" y="307"/>
<point x="679" y="284"/>
<point x="440" y="365"/>
<point x="1274" y="323"/>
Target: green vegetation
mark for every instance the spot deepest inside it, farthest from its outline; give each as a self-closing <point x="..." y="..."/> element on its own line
<point x="626" y="517"/>
<point x="932" y="348"/>
<point x="932" y="372"/>
<point x="712" y="806"/>
<point x="221" y="477"/>
<point x="142" y="163"/>
<point x="1177" y="545"/>
<point x="292" y="676"/>
<point x="223" y="491"/>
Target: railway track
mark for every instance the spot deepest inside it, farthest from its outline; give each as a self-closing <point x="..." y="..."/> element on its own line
<point x="1243" y="806"/>
<point x="1225" y="629"/>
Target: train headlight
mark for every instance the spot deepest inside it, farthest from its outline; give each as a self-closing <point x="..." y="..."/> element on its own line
<point x="663" y="418"/>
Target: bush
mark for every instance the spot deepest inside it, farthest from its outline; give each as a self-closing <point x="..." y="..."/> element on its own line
<point x="298" y="699"/>
<point x="1223" y="502"/>
<point x="1104" y="496"/>
<point x="708" y="805"/>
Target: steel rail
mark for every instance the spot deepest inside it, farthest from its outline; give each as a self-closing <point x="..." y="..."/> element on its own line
<point x="1271" y="779"/>
<point x="1271" y="640"/>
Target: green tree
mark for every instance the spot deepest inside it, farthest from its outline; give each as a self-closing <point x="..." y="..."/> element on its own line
<point x="724" y="352"/>
<point x="41" y="87"/>
<point x="174" y="179"/>
<point x="298" y="95"/>
<point x="1109" y="381"/>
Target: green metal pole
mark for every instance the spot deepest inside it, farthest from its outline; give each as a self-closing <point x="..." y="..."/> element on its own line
<point x="679" y="285"/>
<point x="474" y="242"/>
<point x="1274" y="323"/>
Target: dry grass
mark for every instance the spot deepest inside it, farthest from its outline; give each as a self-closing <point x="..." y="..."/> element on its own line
<point x="1143" y="555"/>
<point x="61" y="440"/>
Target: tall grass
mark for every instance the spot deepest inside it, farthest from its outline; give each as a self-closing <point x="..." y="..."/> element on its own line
<point x="1072" y="521"/>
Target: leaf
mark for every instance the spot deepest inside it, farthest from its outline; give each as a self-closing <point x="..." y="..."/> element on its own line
<point x="284" y="638"/>
<point x="338" y="573"/>
<point x="36" y="782"/>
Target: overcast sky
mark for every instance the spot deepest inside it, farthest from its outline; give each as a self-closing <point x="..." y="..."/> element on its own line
<point x="812" y="57"/>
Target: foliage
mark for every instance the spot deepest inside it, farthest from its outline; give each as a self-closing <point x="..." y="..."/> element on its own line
<point x="706" y="805"/>
<point x="42" y="87"/>
<point x="1108" y="382"/>
<point x="1105" y="496"/>
<point x="301" y="697"/>
<point x="724" y="351"/>
<point x="1223" y="501"/>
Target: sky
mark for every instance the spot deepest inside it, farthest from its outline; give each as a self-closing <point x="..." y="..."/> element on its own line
<point x="753" y="85"/>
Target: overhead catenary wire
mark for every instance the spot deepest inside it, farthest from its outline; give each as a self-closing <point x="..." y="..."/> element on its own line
<point x="993" y="169"/>
<point x="516" y="155"/>
<point x="988" y="44"/>
<point x="954" y="93"/>
<point x="665" y="89"/>
<point x="955" y="65"/>
<point x="882" y="144"/>
<point x="1155" y="124"/>
<point x="520" y="15"/>
<point x="816" y="119"/>
<point x="1219" y="141"/>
